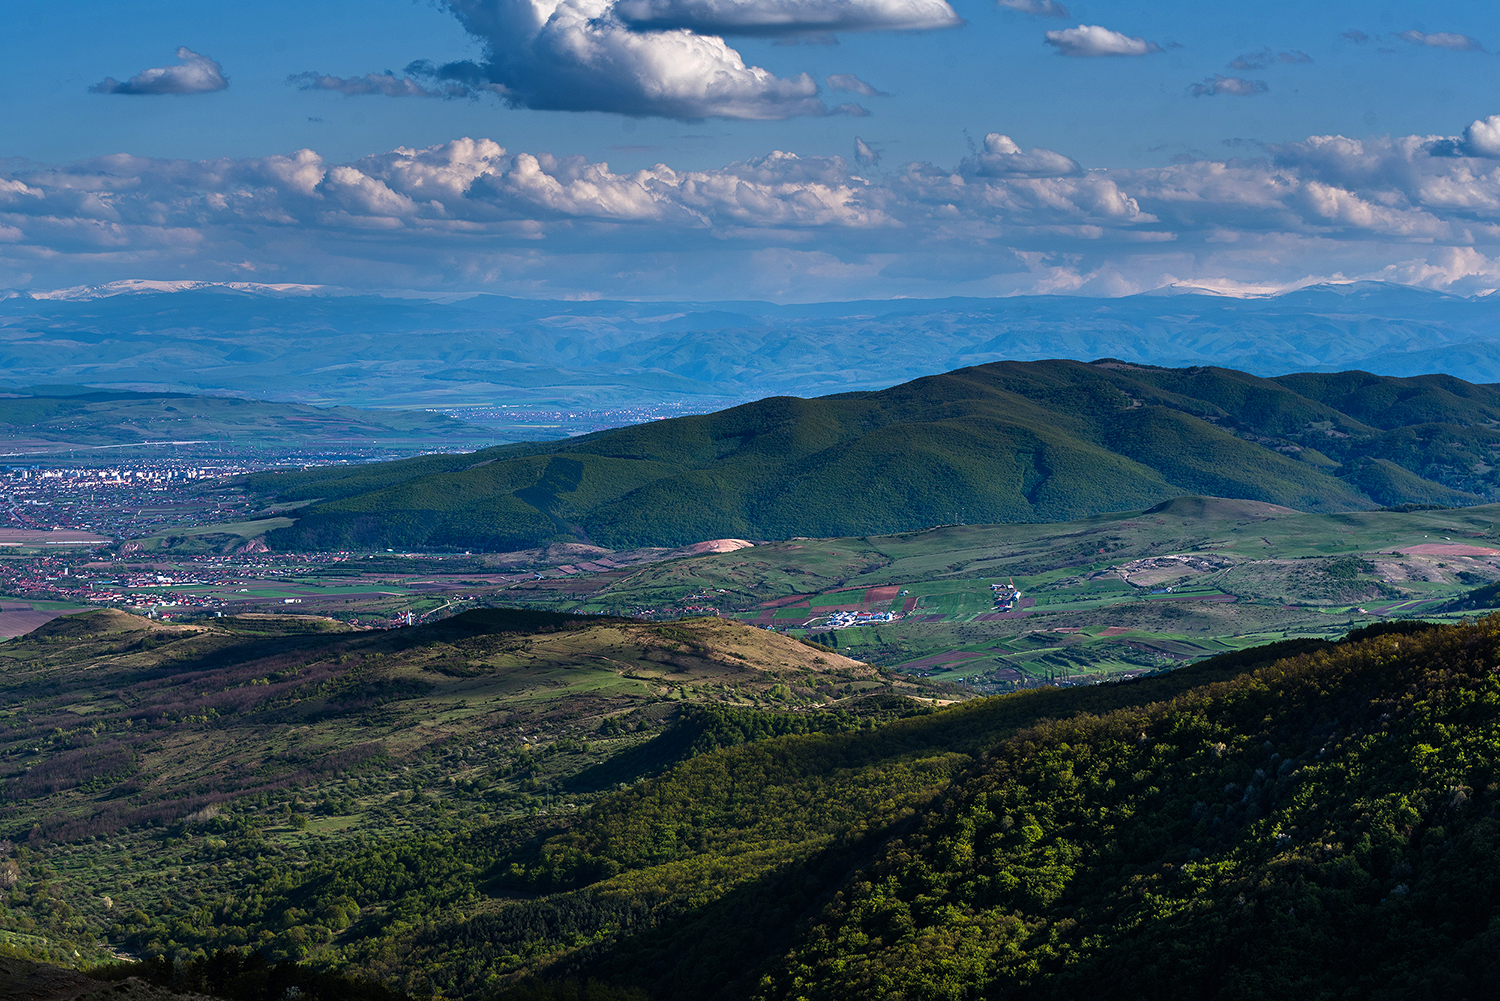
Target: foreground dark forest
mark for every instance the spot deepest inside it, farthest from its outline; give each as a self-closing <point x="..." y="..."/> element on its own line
<point x="1311" y="817"/>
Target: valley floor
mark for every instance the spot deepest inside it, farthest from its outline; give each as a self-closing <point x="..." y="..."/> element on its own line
<point x="995" y="607"/>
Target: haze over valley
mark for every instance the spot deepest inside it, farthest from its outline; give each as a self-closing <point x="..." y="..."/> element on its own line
<point x="475" y="352"/>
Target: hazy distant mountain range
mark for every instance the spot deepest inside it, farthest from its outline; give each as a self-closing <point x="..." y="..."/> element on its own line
<point x="85" y="424"/>
<point x="1005" y="442"/>
<point x="320" y="344"/>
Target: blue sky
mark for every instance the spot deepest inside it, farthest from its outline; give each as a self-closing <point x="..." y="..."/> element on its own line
<point x="152" y="141"/>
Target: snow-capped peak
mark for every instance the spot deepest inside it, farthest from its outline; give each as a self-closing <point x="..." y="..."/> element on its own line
<point x="135" y="286"/>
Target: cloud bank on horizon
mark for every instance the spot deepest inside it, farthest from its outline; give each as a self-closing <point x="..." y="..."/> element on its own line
<point x="474" y="214"/>
<point x="711" y="149"/>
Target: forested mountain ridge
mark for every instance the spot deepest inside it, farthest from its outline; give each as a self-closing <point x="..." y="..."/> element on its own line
<point x="1005" y="442"/>
<point x="1309" y="819"/>
<point x="1325" y="827"/>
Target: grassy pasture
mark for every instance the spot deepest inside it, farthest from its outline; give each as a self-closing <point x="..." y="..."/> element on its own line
<point x="1240" y="573"/>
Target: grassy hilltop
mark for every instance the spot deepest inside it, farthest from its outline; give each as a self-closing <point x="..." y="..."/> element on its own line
<point x="1006" y="442"/>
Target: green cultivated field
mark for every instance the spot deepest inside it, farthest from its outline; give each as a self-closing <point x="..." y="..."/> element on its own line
<point x="1095" y="600"/>
<point x="1103" y="597"/>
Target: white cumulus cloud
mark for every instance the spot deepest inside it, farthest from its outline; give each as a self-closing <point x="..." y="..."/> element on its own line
<point x="1091" y="40"/>
<point x="1232" y="85"/>
<point x="849" y="83"/>
<point x="1037" y="8"/>
<point x="577" y="55"/>
<point x="1482" y="137"/>
<point x="665" y="58"/>
<point x="194" y="74"/>
<point x="1442" y="40"/>
<point x="1001" y="157"/>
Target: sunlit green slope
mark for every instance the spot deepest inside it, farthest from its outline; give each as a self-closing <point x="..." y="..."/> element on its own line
<point x="1007" y="442"/>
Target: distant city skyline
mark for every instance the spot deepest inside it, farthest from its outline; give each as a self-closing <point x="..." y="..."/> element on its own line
<point x="738" y="149"/>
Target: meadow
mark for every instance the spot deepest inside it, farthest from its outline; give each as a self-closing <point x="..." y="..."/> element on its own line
<point x="1095" y="600"/>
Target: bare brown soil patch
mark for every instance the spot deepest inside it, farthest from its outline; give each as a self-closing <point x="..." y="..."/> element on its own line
<point x="1449" y="549"/>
